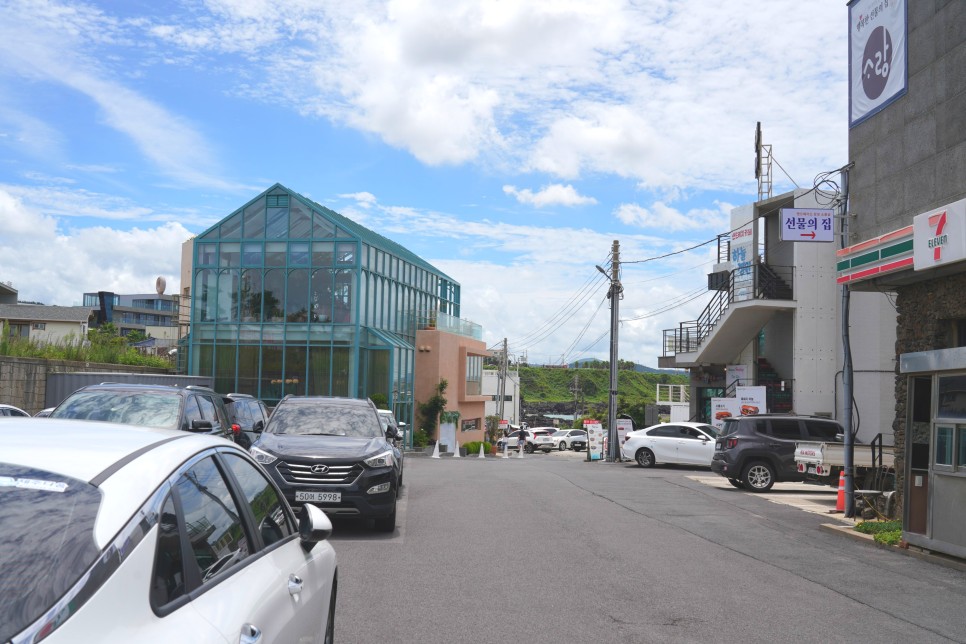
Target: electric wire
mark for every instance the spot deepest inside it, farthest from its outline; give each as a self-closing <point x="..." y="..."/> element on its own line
<point x="583" y="331"/>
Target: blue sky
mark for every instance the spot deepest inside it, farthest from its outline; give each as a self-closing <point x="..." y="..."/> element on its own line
<point x="508" y="143"/>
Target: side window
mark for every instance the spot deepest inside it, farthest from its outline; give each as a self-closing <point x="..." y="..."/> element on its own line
<point x="786" y="428"/>
<point x="212" y="519"/>
<point x="690" y="432"/>
<point x="271" y="519"/>
<point x="822" y="430"/>
<point x="208" y="410"/>
<point x="167" y="582"/>
<point x="191" y="412"/>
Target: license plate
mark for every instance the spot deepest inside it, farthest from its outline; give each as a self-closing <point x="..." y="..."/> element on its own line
<point x="811" y="470"/>
<point x="318" y="497"/>
<point x="717" y="447"/>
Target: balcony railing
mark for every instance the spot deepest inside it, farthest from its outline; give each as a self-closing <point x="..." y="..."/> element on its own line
<point x="451" y="324"/>
<point x="755" y="282"/>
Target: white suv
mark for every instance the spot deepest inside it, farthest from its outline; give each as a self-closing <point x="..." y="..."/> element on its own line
<point x="535" y="439"/>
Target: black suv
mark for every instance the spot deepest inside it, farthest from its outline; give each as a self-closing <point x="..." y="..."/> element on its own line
<point x="248" y="414"/>
<point x="754" y="452"/>
<point x="333" y="453"/>
<point x="191" y="408"/>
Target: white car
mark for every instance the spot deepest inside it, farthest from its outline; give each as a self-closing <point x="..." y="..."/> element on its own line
<point x="10" y="410"/>
<point x="564" y="439"/>
<point x="685" y="443"/>
<point x="537" y="438"/>
<point x="116" y="533"/>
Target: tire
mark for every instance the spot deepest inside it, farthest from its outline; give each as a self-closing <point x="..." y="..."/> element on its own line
<point x="387" y="524"/>
<point x="528" y="448"/>
<point x="738" y="483"/>
<point x="561" y="446"/>
<point x="644" y="457"/>
<point x="330" y="623"/>
<point x="546" y="451"/>
<point x="758" y="476"/>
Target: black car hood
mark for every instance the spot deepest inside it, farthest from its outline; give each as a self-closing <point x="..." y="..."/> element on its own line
<point x="321" y="446"/>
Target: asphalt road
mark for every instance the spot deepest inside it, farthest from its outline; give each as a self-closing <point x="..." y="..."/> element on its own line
<point x="550" y="548"/>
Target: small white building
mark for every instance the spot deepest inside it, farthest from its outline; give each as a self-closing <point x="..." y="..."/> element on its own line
<point x="46" y="324"/>
<point x="511" y="401"/>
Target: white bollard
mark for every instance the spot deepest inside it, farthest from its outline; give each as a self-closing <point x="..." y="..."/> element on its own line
<point x="505" y="454"/>
<point x="456" y="452"/>
<point x="435" y="450"/>
<point x="521" y="448"/>
<point x="481" y="451"/>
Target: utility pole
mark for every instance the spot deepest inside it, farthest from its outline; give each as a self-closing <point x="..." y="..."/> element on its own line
<point x="847" y="369"/>
<point x="613" y="449"/>
<point x="503" y="369"/>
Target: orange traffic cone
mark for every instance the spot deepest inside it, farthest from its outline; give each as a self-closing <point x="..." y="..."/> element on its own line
<point x="840" y="501"/>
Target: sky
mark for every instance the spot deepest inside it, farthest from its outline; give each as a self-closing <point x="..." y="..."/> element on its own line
<point x="508" y="143"/>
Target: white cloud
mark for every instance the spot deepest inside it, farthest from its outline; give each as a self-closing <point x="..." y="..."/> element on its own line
<point x="55" y="266"/>
<point x="363" y="199"/>
<point x="553" y="195"/>
<point x="660" y="216"/>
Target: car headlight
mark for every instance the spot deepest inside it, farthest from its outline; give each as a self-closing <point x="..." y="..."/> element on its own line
<point x="261" y="456"/>
<point x="380" y="460"/>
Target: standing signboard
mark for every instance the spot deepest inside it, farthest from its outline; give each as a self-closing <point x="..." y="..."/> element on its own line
<point x="624" y="425"/>
<point x="722" y="408"/>
<point x="751" y="400"/>
<point x="595" y="439"/>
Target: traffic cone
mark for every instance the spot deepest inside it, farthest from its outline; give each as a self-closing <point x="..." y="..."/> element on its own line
<point x="481" y="451"/>
<point x="435" y="450"/>
<point x="456" y="452"/>
<point x="840" y="501"/>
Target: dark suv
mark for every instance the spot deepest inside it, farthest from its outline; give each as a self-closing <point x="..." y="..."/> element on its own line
<point x="249" y="414"/>
<point x="333" y="453"/>
<point x="191" y="408"/>
<point x="754" y="452"/>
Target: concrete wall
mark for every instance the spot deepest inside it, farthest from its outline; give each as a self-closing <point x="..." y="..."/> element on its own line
<point x="23" y="381"/>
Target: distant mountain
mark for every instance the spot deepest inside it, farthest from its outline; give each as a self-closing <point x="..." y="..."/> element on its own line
<point x="584" y="363"/>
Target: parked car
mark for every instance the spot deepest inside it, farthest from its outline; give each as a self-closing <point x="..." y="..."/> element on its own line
<point x="333" y="453"/>
<point x="534" y="439"/>
<point x="685" y="443"/>
<point x="10" y="410"/>
<point x="250" y="415"/>
<point x="564" y="439"/>
<point x="155" y="532"/>
<point x="395" y="435"/>
<point x="755" y="452"/>
<point x="192" y="408"/>
<point x="43" y="413"/>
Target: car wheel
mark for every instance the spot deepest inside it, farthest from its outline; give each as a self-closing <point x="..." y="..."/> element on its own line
<point x="528" y="448"/>
<point x="644" y="457"/>
<point x="546" y="451"/>
<point x="387" y="524"/>
<point x="562" y="446"/>
<point x="737" y="483"/>
<point x="758" y="477"/>
<point x="330" y="623"/>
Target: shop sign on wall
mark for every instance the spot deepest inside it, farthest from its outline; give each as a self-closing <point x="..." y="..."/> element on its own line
<point x="939" y="236"/>
<point x="877" y="56"/>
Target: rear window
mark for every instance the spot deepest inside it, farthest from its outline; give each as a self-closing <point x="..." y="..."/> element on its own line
<point x="730" y="426"/>
<point x="145" y="408"/>
<point x="46" y="541"/>
<point x="322" y="419"/>
<point x="824" y="430"/>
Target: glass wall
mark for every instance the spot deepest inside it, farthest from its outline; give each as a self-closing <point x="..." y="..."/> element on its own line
<point x="285" y="293"/>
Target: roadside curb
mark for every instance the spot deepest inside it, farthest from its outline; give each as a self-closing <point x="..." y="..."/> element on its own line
<point x="910" y="551"/>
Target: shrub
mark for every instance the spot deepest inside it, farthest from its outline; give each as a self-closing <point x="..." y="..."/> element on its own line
<point x="473" y="448"/>
<point x="886" y="532"/>
<point x="420" y="438"/>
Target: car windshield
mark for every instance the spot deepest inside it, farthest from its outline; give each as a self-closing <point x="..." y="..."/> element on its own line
<point x="325" y="420"/>
<point x="709" y="430"/>
<point x="46" y="541"/>
<point x="560" y="433"/>
<point x="145" y="408"/>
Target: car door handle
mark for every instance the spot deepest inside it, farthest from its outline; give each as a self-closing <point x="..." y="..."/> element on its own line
<point x="250" y="634"/>
<point x="294" y="584"/>
<point x="774" y="444"/>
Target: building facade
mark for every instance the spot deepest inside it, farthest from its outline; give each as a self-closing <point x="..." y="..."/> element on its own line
<point x="289" y="297"/>
<point x="137" y="312"/>
<point x="908" y="237"/>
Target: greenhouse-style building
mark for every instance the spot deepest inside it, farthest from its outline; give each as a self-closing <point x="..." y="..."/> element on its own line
<point x="290" y="297"/>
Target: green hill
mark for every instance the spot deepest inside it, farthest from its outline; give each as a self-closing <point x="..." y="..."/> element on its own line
<point x="550" y="385"/>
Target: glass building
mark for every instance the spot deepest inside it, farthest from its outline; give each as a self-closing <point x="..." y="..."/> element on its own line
<point x="289" y="297"/>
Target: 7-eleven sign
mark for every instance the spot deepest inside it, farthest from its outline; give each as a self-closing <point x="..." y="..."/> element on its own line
<point x="939" y="236"/>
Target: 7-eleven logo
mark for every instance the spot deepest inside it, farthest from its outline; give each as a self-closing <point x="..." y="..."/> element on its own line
<point x="939" y="238"/>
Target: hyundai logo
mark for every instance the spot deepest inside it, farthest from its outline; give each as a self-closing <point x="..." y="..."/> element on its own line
<point x="320" y="469"/>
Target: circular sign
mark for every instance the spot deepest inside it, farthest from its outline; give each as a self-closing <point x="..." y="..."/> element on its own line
<point x="876" y="62"/>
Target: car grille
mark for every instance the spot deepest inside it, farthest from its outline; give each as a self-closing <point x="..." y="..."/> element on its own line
<point x="302" y="474"/>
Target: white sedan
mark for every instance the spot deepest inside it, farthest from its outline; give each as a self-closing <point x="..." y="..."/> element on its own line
<point x="685" y="443"/>
<point x="115" y="533"/>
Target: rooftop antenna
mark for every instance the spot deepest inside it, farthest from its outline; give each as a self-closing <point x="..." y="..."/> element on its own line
<point x="762" y="165"/>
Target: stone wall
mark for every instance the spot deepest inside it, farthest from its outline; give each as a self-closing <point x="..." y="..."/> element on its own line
<point x="23" y="381"/>
<point x="925" y="311"/>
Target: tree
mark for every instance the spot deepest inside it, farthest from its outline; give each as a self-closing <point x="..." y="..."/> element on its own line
<point x="432" y="408"/>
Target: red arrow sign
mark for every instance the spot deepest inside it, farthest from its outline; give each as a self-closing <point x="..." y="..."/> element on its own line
<point x="811" y="234"/>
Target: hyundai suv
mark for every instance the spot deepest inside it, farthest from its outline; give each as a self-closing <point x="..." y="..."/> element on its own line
<point x="192" y="408"/>
<point x="333" y="453"/>
<point x="755" y="452"/>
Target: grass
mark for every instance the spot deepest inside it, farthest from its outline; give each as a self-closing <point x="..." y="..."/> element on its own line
<point x="887" y="532"/>
<point x="556" y="385"/>
<point x="108" y="351"/>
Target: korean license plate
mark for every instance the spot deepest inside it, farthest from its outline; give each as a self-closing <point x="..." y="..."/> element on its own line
<point x="318" y="497"/>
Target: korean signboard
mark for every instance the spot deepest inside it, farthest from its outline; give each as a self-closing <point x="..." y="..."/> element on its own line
<point x="595" y="438"/>
<point x="722" y="408"/>
<point x="624" y="425"/>
<point x="751" y="400"/>
<point x="806" y="224"/>
<point x="743" y="255"/>
<point x="877" y="56"/>
<point x="939" y="236"/>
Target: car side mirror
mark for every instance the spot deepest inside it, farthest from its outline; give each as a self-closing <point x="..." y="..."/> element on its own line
<point x="314" y="526"/>
<point x="258" y="427"/>
<point x="199" y="425"/>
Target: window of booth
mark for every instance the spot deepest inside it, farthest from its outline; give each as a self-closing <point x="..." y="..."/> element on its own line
<point x="949" y="430"/>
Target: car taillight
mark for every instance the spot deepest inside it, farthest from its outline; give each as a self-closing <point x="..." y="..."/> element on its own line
<point x="731" y="443"/>
<point x="236" y="429"/>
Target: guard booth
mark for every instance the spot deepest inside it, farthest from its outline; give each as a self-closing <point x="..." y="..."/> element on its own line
<point x="934" y="486"/>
